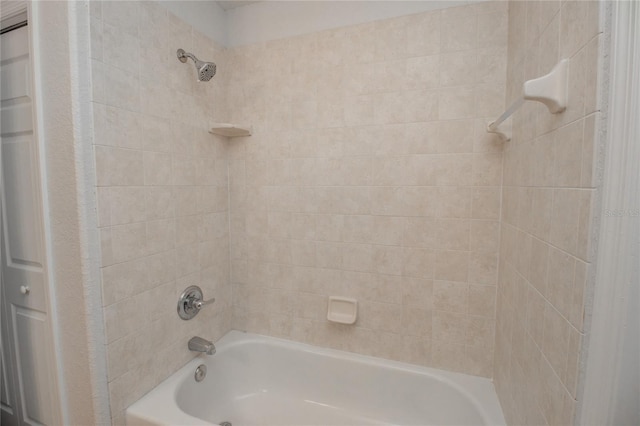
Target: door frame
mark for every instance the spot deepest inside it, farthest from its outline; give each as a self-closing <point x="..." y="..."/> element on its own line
<point x="618" y="247"/>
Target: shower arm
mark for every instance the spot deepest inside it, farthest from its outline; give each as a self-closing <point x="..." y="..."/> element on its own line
<point x="182" y="56"/>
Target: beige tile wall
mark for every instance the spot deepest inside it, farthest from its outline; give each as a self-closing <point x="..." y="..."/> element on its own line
<point x="548" y="189"/>
<point x="369" y="175"/>
<point x="162" y="192"/>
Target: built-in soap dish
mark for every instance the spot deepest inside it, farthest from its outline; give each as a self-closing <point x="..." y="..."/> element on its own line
<point x="342" y="310"/>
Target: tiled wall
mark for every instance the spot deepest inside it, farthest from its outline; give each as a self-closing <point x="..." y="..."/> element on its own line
<point x="369" y="175"/>
<point x="162" y="192"/>
<point x="549" y="185"/>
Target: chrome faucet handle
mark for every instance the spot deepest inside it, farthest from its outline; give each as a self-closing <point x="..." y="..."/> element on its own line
<point x="200" y="303"/>
<point x="191" y="301"/>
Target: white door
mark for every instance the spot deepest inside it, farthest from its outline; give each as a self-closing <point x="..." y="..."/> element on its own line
<point x="28" y="392"/>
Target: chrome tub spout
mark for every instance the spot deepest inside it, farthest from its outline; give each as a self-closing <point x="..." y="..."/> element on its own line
<point x="198" y="344"/>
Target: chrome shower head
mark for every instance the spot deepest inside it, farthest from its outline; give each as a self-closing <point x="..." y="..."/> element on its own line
<point x="206" y="70"/>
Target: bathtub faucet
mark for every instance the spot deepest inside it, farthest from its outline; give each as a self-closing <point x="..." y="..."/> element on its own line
<point x="198" y="344"/>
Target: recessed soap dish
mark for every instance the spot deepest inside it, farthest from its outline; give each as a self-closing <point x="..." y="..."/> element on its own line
<point x="342" y="310"/>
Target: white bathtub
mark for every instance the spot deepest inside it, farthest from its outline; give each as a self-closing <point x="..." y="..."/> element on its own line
<point x="257" y="380"/>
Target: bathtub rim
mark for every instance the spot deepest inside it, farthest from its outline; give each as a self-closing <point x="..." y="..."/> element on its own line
<point x="162" y="400"/>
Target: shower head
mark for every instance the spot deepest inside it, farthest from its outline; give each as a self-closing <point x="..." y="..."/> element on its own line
<point x="206" y="70"/>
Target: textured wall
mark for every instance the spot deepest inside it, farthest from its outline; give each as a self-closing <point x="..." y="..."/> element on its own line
<point x="548" y="190"/>
<point x="162" y="192"/>
<point x="369" y="175"/>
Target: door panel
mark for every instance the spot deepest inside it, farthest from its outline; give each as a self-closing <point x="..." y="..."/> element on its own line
<point x="30" y="332"/>
<point x="22" y="242"/>
<point x="16" y="83"/>
<point x="16" y="70"/>
<point x="5" y="396"/>
<point x="15" y="44"/>
<point x="16" y="117"/>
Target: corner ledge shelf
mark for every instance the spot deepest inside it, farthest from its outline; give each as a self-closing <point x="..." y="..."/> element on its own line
<point x="230" y="130"/>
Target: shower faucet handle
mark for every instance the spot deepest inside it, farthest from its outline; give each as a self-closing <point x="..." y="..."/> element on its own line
<point x="191" y="301"/>
<point x="200" y="303"/>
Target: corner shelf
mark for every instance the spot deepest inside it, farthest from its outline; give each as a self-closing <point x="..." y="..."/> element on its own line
<point x="230" y="130"/>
